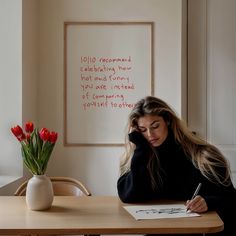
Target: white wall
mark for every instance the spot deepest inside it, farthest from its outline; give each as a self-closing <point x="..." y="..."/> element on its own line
<point x="212" y="59"/>
<point x="30" y="58"/>
<point x="10" y="87"/>
<point x="18" y="83"/>
<point x="97" y="167"/>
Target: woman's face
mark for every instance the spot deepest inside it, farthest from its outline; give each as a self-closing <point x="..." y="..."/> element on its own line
<point x="154" y="129"/>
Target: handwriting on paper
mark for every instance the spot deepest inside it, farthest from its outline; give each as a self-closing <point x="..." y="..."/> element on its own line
<point x="159" y="211"/>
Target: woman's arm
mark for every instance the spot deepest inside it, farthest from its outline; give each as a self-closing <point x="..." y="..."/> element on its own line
<point x="135" y="185"/>
<point x="220" y="198"/>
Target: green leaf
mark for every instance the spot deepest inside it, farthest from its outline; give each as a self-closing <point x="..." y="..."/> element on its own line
<point x="36" y="153"/>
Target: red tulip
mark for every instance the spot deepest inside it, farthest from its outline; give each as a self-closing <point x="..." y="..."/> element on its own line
<point x="29" y="127"/>
<point x="22" y="137"/>
<point x="17" y="131"/>
<point x="53" y="137"/>
<point x="28" y="137"/>
<point x="44" y="134"/>
<point x="36" y="146"/>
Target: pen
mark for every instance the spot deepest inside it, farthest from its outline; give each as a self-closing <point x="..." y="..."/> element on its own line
<point x="196" y="192"/>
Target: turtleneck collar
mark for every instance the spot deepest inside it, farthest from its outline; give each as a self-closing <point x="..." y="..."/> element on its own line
<point x="168" y="143"/>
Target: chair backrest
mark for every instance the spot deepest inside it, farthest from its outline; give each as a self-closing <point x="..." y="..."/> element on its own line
<point x="62" y="186"/>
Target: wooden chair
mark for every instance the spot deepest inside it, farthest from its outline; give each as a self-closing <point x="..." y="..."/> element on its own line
<point x="62" y="186"/>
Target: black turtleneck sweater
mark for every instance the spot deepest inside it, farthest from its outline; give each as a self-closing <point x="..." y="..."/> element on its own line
<point x="179" y="179"/>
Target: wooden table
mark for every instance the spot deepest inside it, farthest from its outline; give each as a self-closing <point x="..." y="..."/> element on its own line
<point x="93" y="215"/>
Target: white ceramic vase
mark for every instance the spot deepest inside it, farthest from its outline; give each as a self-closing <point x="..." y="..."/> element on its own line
<point x="39" y="193"/>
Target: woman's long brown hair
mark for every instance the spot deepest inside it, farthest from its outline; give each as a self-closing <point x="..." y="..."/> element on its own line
<point x="204" y="156"/>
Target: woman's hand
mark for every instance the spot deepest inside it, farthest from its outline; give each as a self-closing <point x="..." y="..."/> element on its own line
<point x="132" y="129"/>
<point x="198" y="205"/>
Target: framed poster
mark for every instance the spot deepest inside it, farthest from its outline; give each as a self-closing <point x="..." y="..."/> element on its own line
<point x="108" y="67"/>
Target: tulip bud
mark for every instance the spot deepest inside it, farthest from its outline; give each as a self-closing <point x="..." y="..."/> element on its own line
<point x="44" y="134"/>
<point x="17" y="131"/>
<point x="53" y="137"/>
<point x="29" y="127"/>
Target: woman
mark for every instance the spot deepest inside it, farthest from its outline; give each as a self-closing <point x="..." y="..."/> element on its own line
<point x="164" y="159"/>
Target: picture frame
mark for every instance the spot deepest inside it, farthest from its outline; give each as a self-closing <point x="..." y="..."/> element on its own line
<point x="108" y="67"/>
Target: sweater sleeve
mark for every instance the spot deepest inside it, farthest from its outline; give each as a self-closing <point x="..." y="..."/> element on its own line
<point x="135" y="185"/>
<point x="219" y="197"/>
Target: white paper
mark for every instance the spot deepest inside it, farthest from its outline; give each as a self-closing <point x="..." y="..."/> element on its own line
<point x="140" y="212"/>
